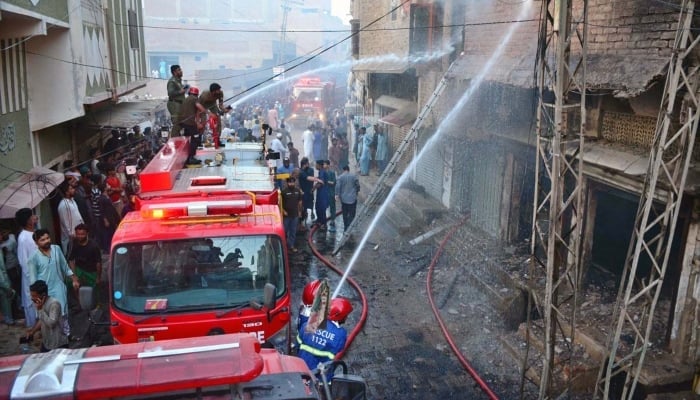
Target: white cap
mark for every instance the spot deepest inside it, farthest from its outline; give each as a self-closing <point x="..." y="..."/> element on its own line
<point x="279" y="135"/>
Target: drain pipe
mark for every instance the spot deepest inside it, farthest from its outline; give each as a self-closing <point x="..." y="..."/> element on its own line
<point x="108" y="40"/>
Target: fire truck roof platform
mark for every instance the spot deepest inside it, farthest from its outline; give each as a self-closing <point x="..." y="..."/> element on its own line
<point x="237" y="167"/>
<point x="235" y="151"/>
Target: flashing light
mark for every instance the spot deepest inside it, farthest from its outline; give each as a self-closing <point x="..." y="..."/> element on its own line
<point x="197" y="209"/>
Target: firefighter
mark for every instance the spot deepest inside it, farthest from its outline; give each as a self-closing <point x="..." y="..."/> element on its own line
<point x="323" y="344"/>
<point x="191" y="121"/>
<point x="176" y="96"/>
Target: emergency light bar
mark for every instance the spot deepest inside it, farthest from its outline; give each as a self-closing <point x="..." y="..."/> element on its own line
<point x="208" y="180"/>
<point x="196" y="209"/>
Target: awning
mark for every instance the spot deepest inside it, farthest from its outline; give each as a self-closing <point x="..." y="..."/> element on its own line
<point x="512" y="68"/>
<point x="627" y="75"/>
<point x="394" y="102"/>
<point x="28" y="190"/>
<point x="401" y="117"/>
<point x="615" y="157"/>
<point x="388" y="65"/>
<point x="126" y="114"/>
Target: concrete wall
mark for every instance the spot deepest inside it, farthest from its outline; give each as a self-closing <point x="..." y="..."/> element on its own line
<point x="15" y="144"/>
<point x="57" y="9"/>
<point x="61" y="64"/>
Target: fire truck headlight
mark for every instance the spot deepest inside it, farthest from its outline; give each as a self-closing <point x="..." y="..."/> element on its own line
<point x="280" y="340"/>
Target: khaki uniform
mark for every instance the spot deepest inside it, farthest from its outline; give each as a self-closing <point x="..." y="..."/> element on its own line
<point x="188" y="111"/>
<point x="211" y="103"/>
<point x="175" y="99"/>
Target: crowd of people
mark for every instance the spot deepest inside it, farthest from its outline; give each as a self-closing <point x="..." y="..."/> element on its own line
<point x="325" y="145"/>
<point x="38" y="277"/>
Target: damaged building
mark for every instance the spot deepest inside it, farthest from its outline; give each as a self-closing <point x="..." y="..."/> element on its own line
<point x="474" y="65"/>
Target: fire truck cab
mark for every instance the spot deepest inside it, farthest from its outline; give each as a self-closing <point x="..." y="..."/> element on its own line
<point x="211" y="367"/>
<point x="204" y="253"/>
<point x="311" y="97"/>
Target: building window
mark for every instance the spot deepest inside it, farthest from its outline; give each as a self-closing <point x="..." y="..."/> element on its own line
<point x="133" y="29"/>
<point x="425" y="33"/>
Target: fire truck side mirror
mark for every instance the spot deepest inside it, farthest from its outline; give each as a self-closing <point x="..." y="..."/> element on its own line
<point x="269" y="296"/>
<point x="86" y="298"/>
<point x="347" y="386"/>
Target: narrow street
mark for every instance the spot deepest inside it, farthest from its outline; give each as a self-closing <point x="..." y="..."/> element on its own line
<point x="532" y="168"/>
<point x="400" y="355"/>
<point x="401" y="351"/>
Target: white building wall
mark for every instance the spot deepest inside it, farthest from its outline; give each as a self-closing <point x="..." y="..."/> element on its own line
<point x="56" y="83"/>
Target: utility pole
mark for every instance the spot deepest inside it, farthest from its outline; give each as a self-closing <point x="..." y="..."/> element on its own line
<point x="668" y="167"/>
<point x="558" y="213"/>
<point x="283" y="33"/>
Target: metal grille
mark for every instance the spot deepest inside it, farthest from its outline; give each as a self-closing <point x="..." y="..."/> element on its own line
<point x="432" y="162"/>
<point x="629" y="129"/>
<point x="487" y="188"/>
<point x="396" y="136"/>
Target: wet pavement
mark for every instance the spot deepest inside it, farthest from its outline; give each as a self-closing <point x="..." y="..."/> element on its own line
<point x="401" y="351"/>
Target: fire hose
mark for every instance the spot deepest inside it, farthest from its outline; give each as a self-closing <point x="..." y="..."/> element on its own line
<point x="363" y="317"/>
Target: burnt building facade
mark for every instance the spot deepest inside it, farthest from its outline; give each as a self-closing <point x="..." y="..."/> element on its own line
<point x="475" y="150"/>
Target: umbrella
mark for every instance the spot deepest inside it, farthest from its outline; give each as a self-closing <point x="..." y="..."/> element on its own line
<point x="28" y="190"/>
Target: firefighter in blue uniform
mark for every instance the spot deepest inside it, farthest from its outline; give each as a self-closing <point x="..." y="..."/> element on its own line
<point x="322" y="345"/>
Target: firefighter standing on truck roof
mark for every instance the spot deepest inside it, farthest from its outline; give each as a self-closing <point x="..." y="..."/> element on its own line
<point x="192" y="123"/>
<point x="176" y="96"/>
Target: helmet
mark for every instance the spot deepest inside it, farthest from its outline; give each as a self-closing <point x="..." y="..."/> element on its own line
<point x="307" y="298"/>
<point x="194" y="90"/>
<point x="340" y="309"/>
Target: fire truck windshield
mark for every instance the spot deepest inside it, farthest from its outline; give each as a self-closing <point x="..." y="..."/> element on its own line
<point x="307" y="94"/>
<point x="195" y="274"/>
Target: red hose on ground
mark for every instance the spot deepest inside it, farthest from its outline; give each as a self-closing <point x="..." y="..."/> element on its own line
<point x="329" y="264"/>
<point x="363" y="317"/>
<point x="465" y="363"/>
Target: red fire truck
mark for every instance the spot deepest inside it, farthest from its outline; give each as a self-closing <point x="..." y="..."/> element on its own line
<point x="212" y="367"/>
<point x="204" y="253"/>
<point x="311" y="97"/>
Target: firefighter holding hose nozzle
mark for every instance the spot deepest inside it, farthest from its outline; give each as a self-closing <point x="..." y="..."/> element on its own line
<point x="322" y="340"/>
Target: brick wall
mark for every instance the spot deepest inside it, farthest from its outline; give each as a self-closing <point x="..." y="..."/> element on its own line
<point x="386" y="36"/>
<point x="632" y="27"/>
